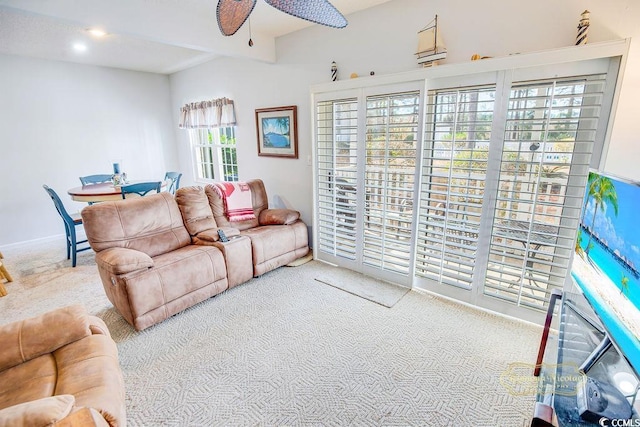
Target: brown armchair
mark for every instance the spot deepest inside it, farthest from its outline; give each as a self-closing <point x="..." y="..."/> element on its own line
<point x="56" y="364"/>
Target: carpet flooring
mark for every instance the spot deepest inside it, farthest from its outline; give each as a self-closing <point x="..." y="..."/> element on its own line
<point x="287" y="350"/>
<point x="369" y="288"/>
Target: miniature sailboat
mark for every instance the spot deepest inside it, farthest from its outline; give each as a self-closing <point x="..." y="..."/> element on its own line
<point x="430" y="47"/>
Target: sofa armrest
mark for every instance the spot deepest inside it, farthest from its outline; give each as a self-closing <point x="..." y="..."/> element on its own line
<point x="29" y="338"/>
<point x="213" y="236"/>
<point x="123" y="260"/>
<point x="278" y="217"/>
<point x="38" y="413"/>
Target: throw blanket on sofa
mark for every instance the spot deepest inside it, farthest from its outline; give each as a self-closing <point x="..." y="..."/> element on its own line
<point x="238" y="205"/>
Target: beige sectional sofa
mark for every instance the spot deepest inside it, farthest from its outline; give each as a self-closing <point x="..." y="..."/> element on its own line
<point x="277" y="236"/>
<point x="57" y="364"/>
<point x="158" y="255"/>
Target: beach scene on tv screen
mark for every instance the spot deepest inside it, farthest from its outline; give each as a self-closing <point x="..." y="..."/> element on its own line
<point x="608" y="248"/>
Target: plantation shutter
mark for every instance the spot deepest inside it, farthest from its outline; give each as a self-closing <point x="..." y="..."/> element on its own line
<point x="455" y="156"/>
<point x="337" y="179"/>
<point x="549" y="137"/>
<point x="484" y="207"/>
<point x="390" y="169"/>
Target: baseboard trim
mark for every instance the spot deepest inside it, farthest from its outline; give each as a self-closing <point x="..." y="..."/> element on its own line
<point x="475" y="307"/>
<point x="33" y="242"/>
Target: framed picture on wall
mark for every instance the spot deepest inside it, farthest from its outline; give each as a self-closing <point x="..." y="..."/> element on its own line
<point x="277" y="131"/>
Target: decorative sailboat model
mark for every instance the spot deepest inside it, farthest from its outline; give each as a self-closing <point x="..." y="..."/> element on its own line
<point x="430" y="48"/>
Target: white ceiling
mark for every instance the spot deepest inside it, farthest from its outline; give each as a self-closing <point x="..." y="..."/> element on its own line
<point x="161" y="36"/>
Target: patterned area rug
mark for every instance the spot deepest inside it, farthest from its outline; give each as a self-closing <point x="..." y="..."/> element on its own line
<point x="287" y="350"/>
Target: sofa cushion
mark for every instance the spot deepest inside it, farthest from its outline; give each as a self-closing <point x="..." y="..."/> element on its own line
<point x="237" y="200"/>
<point x="151" y="224"/>
<point x="89" y="370"/>
<point x="38" y="413"/>
<point x="29" y="338"/>
<point x="194" y="206"/>
<point x="259" y="201"/>
<point x="278" y="216"/>
<point x="271" y="241"/>
<point x="27" y="381"/>
<point x="178" y="280"/>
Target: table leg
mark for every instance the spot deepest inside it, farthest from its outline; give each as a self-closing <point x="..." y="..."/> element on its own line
<point x="4" y="273"/>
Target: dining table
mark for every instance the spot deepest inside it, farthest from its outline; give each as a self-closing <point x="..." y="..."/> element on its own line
<point x="103" y="192"/>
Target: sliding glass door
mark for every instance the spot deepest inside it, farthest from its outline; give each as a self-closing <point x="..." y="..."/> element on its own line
<point x="389" y="180"/>
<point x="454" y="174"/>
<point x="366" y="154"/>
<point x="337" y="178"/>
<point x="548" y="140"/>
<point x="504" y="168"/>
<point x="467" y="185"/>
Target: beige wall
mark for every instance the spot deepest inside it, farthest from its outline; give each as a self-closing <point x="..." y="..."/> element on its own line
<point x="59" y="121"/>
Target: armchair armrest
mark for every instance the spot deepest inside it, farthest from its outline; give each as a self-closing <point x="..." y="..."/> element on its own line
<point x="29" y="338"/>
<point x="83" y="417"/>
<point x="40" y="412"/>
<point x="98" y="327"/>
<point x="278" y="216"/>
<point x="123" y="260"/>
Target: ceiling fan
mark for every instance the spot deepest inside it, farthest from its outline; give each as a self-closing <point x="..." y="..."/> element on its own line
<point x="232" y="14"/>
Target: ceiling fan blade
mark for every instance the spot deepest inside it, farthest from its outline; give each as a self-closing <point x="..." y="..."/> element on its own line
<point x="318" y="11"/>
<point x="232" y="14"/>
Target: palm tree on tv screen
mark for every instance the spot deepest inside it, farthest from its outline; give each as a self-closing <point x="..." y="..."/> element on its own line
<point x="590" y="184"/>
<point x="602" y="191"/>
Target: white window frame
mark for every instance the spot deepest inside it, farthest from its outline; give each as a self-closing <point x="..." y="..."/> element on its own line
<point x="217" y="165"/>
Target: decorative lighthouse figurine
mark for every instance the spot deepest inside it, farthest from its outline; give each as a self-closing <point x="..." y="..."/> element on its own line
<point x="583" y="29"/>
<point x="334" y="71"/>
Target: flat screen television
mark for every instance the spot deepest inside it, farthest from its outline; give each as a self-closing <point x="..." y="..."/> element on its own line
<point x="606" y="265"/>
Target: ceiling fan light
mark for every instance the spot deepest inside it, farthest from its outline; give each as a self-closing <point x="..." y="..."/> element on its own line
<point x="231" y="14"/>
<point x="318" y="11"/>
<point x="96" y="32"/>
<point x="79" y="47"/>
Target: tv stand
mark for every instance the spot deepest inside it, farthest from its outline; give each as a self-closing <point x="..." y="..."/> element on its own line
<point x="596" y="354"/>
<point x="581" y="349"/>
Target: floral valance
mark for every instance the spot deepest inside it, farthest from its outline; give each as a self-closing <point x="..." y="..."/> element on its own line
<point x="207" y="114"/>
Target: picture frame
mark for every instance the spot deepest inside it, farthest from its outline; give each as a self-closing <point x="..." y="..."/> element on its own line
<point x="277" y="130"/>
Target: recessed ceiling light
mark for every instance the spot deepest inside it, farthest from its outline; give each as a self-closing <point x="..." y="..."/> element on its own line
<point x="79" y="47"/>
<point x="96" y="32"/>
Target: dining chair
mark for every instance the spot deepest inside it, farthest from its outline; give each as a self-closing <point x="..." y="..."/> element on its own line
<point x="70" y="224"/>
<point x="95" y="179"/>
<point x="140" y="188"/>
<point x="175" y="181"/>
